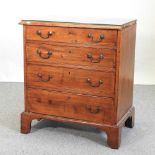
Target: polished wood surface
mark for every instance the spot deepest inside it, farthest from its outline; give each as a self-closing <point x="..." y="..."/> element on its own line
<point x="70" y="105"/>
<point x="72" y="80"/>
<point x="81" y="73"/>
<point x="95" y="58"/>
<point x="113" y="131"/>
<point x="125" y="68"/>
<point x="71" y="35"/>
<point x="85" y="23"/>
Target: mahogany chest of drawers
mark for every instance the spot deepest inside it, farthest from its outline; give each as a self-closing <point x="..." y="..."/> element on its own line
<point x="80" y="73"/>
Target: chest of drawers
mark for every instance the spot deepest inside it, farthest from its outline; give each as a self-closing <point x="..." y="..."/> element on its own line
<point x="80" y="73"/>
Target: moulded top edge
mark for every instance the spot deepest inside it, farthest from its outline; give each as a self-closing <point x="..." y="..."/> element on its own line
<point x="108" y="24"/>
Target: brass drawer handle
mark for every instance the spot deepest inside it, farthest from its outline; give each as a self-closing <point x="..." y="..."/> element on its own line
<point x="89" y="81"/>
<point x="41" y="77"/>
<point x="90" y="57"/>
<point x="49" y="34"/>
<point x="93" y="110"/>
<point x="49" y="54"/>
<point x="101" y="37"/>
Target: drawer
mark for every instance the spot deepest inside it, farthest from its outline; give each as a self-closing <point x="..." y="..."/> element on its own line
<point x="96" y="58"/>
<point x="71" y="35"/>
<point x="74" y="80"/>
<point x="94" y="109"/>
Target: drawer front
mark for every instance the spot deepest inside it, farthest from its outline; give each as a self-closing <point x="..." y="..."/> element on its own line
<point x="73" y="80"/>
<point x="71" y="35"/>
<point x="96" y="58"/>
<point x="68" y="105"/>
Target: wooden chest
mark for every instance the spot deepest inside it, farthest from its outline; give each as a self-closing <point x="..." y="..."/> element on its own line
<point x="80" y="73"/>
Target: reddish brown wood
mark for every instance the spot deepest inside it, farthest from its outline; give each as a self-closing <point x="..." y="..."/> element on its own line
<point x="114" y="137"/>
<point x="65" y="55"/>
<point x="131" y="120"/>
<point x="67" y="86"/>
<point x="25" y="68"/>
<point x="110" y="24"/>
<point x="82" y="107"/>
<point x="113" y="131"/>
<point x="125" y="64"/>
<point x="71" y="35"/>
<point x="71" y="80"/>
<point x="25" y="123"/>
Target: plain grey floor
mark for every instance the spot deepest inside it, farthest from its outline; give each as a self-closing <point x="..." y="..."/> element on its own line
<point x="52" y="138"/>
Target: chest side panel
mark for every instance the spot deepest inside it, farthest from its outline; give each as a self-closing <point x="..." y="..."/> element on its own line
<point x="125" y="69"/>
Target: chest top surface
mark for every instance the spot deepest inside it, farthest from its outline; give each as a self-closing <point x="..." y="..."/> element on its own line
<point x="80" y="22"/>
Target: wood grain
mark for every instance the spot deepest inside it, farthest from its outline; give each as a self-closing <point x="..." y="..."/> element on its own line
<point x="125" y="77"/>
<point x="115" y="26"/>
<point x="76" y="56"/>
<point x="72" y="35"/>
<point x="66" y="81"/>
<point x="69" y="105"/>
<point x="72" y="80"/>
<point x="113" y="131"/>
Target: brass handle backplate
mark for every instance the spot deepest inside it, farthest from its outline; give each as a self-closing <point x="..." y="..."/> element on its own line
<point x="93" y="60"/>
<point x="49" y="34"/>
<point x="41" y="77"/>
<point x="49" y="54"/>
<point x="101" y="37"/>
<point x="93" y="110"/>
<point x="89" y="81"/>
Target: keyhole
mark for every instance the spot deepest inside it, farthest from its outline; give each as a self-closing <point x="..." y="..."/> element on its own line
<point x="69" y="73"/>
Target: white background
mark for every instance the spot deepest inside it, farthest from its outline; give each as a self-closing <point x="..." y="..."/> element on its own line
<point x="12" y="11"/>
